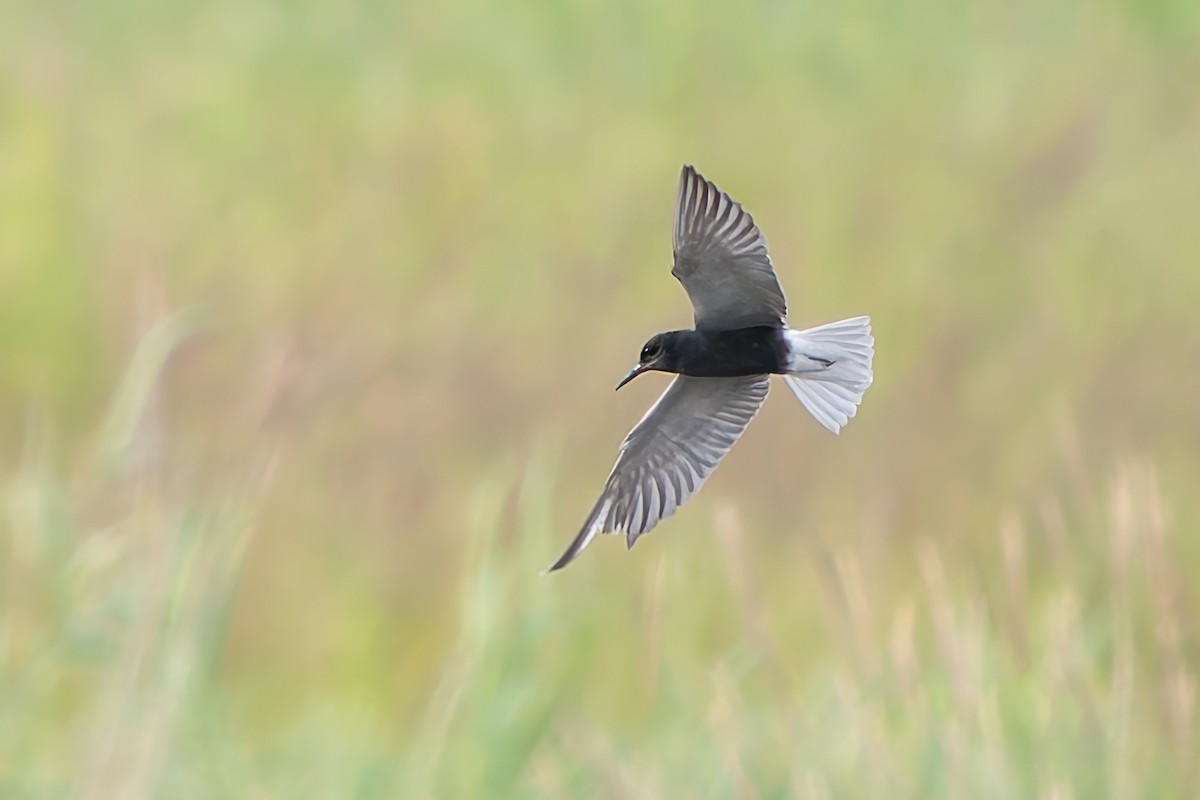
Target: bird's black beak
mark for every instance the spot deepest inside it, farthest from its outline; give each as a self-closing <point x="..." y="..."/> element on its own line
<point x="633" y="373"/>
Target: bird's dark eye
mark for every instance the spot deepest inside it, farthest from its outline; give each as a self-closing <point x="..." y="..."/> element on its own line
<point x="650" y="351"/>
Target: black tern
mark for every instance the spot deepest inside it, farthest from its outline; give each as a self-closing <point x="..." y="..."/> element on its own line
<point x="723" y="366"/>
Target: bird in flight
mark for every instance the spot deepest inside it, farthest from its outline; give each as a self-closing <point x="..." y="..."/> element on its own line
<point x="723" y="367"/>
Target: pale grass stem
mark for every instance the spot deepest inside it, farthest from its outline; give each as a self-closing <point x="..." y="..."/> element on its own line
<point x="653" y="622"/>
<point x="902" y="650"/>
<point x="1178" y="684"/>
<point x="731" y="540"/>
<point x="863" y="720"/>
<point x="945" y="627"/>
<point x="1054" y="524"/>
<point x="479" y="601"/>
<point x="623" y="779"/>
<point x="843" y="599"/>
<point x="1012" y="542"/>
<point x="858" y="610"/>
<point x="181" y="567"/>
<point x="1056" y="790"/>
<point x="807" y="786"/>
<point x="724" y="711"/>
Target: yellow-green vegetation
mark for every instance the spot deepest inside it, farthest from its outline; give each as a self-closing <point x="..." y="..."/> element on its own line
<point x="310" y="315"/>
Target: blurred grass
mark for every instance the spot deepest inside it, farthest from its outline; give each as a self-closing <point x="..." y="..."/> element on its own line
<point x="310" y="315"/>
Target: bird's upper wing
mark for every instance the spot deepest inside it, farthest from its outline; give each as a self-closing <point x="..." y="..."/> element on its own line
<point x="721" y="259"/>
<point x="669" y="454"/>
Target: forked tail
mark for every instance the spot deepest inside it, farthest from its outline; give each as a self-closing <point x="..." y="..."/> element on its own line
<point x="830" y="368"/>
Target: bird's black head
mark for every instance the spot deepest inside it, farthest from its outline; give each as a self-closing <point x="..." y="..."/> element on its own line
<point x="661" y="353"/>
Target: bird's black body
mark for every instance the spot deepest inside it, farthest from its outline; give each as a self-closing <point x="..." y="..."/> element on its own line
<point x="721" y="354"/>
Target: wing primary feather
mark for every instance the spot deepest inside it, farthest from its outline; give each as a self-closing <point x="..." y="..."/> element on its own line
<point x="669" y="454"/>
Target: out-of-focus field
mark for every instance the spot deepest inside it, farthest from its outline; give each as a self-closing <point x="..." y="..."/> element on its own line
<point x="310" y="315"/>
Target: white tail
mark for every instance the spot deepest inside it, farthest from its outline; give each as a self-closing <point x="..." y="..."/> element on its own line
<point x="830" y="368"/>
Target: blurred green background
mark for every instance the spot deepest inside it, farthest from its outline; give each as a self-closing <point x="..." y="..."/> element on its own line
<point x="310" y="315"/>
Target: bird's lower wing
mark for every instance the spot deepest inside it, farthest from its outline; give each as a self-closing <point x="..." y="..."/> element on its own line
<point x="667" y="456"/>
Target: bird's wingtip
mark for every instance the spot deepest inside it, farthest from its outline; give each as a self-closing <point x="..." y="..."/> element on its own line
<point x="574" y="549"/>
<point x="563" y="560"/>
